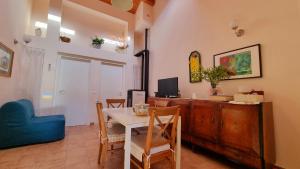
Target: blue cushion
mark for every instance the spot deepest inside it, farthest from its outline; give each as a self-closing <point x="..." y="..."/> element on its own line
<point x="19" y="125"/>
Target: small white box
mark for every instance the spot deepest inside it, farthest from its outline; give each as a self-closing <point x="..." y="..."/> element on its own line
<point x="248" y="98"/>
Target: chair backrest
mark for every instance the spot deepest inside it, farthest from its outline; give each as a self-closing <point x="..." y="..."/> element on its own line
<point x="102" y="126"/>
<point x="115" y="103"/>
<point x="161" y="103"/>
<point x="163" y="137"/>
<point x="16" y="113"/>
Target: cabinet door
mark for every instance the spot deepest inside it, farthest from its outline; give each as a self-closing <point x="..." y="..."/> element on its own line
<point x="204" y="116"/>
<point x="239" y="128"/>
<point x="150" y="101"/>
<point x="184" y="112"/>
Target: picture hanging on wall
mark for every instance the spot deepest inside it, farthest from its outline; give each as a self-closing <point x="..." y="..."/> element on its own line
<point x="241" y="63"/>
<point x="195" y="67"/>
<point x="6" y="60"/>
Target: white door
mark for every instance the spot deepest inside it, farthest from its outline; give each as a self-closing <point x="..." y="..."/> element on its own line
<point x="111" y="82"/>
<point x="73" y="91"/>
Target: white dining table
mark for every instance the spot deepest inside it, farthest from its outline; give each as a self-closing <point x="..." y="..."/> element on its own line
<point x="127" y="117"/>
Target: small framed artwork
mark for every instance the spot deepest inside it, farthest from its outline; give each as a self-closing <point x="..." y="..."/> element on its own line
<point x="195" y="67"/>
<point x="6" y="60"/>
<point x="241" y="63"/>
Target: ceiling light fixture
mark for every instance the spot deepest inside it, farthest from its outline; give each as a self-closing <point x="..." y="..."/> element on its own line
<point x="113" y="42"/>
<point x="124" y="5"/>
<point x="67" y="31"/>
<point x="54" y="18"/>
<point x="237" y="30"/>
<point x="62" y="29"/>
<point x="40" y="25"/>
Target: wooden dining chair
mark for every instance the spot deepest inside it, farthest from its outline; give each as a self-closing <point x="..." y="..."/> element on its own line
<point x="157" y="103"/>
<point x="153" y="147"/>
<point x="109" y="137"/>
<point x="115" y="103"/>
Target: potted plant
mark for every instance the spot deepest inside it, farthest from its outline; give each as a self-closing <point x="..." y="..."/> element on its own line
<point x="97" y="42"/>
<point x="214" y="75"/>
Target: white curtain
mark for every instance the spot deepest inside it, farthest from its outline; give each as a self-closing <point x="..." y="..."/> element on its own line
<point x="32" y="69"/>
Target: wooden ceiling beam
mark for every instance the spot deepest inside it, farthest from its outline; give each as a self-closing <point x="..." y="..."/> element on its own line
<point x="135" y="4"/>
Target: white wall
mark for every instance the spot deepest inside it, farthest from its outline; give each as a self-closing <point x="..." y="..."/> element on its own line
<point x="75" y="16"/>
<point x="14" y="15"/>
<point x="39" y="12"/>
<point x="122" y="22"/>
<point x="184" y="26"/>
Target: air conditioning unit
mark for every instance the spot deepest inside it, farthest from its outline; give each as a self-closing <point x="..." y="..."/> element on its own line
<point x="143" y="17"/>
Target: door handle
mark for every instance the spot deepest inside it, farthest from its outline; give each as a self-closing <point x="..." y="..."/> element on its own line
<point x="213" y="117"/>
<point x="62" y="92"/>
<point x="222" y="123"/>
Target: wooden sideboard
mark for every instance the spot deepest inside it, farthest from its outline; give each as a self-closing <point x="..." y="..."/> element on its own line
<point x="242" y="133"/>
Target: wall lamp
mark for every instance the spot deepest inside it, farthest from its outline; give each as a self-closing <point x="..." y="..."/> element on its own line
<point x="237" y="30"/>
<point x="26" y="39"/>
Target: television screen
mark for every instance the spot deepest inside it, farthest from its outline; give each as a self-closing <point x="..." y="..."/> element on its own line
<point x="168" y="87"/>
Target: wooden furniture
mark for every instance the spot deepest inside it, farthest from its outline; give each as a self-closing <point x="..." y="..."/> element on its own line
<point x="127" y="118"/>
<point x="153" y="147"/>
<point x="108" y="136"/>
<point x="115" y="103"/>
<point x="242" y="133"/>
<point x="161" y="103"/>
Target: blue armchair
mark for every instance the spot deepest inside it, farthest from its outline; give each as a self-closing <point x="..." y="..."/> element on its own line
<point x="19" y="125"/>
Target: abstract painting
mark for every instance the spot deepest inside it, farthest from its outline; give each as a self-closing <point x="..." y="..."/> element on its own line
<point x="6" y="60"/>
<point x="241" y="63"/>
<point x="195" y="67"/>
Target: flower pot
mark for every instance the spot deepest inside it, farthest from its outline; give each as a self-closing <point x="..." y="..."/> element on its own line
<point x="214" y="91"/>
<point x="65" y="39"/>
<point x="97" y="46"/>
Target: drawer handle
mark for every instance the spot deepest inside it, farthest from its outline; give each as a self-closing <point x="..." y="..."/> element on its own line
<point x="213" y="117"/>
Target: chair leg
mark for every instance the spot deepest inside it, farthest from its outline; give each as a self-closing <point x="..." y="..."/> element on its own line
<point x="173" y="162"/>
<point x="100" y="153"/>
<point x="146" y="163"/>
<point x="104" y="153"/>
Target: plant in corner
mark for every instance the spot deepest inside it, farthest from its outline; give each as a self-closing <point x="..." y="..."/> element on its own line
<point x="97" y="42"/>
<point x="214" y="75"/>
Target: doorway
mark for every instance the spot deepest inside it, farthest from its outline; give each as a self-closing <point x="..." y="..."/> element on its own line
<point x="111" y="81"/>
<point x="73" y="90"/>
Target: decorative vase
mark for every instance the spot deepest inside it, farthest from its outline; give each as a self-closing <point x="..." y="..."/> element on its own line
<point x="38" y="32"/>
<point x="214" y="90"/>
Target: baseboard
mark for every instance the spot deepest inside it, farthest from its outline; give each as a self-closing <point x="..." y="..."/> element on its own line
<point x="276" y="167"/>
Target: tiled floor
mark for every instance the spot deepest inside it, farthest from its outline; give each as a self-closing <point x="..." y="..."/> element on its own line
<point x="79" y="150"/>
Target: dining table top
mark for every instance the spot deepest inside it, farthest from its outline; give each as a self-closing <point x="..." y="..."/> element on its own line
<point x="127" y="117"/>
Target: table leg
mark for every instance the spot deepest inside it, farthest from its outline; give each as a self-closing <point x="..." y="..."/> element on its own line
<point x="127" y="147"/>
<point x="178" y="144"/>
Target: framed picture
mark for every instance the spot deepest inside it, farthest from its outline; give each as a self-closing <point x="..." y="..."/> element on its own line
<point x="195" y="67"/>
<point x="6" y="60"/>
<point x="241" y="63"/>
